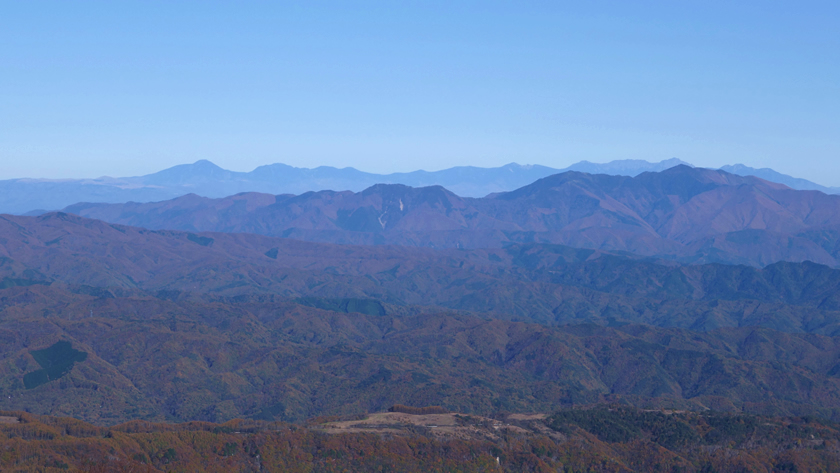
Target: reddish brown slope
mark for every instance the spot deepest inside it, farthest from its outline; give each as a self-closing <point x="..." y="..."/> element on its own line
<point x="549" y="284"/>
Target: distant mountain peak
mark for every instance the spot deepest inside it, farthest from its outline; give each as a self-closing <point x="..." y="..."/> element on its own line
<point x="681" y="167"/>
<point x="773" y="176"/>
<point x="684" y="213"/>
<point x="187" y="174"/>
<point x="741" y="167"/>
<point x="202" y="165"/>
<point x="206" y="179"/>
<point x="626" y="167"/>
<point x="687" y="170"/>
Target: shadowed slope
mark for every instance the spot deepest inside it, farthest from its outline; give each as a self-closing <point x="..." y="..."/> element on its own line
<point x="545" y="283"/>
<point x="203" y="358"/>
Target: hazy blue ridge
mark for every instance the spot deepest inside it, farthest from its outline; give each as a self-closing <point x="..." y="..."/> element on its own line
<point x="770" y="175"/>
<point x="35" y="196"/>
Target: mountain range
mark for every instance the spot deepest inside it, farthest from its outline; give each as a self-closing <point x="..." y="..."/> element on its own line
<point x="683" y="319"/>
<point x="684" y="214"/>
<point x="20" y="196"/>
<point x="109" y="323"/>
<point x="549" y="284"/>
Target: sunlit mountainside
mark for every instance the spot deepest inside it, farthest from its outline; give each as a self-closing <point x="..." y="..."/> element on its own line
<point x="420" y="237"/>
<point x="565" y="323"/>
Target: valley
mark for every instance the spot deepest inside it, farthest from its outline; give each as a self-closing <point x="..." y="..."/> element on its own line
<point x="196" y="326"/>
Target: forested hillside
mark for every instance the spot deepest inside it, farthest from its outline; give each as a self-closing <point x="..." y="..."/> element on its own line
<point x="606" y="439"/>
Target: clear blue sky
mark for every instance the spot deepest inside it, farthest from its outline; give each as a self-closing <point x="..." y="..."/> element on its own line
<point x="126" y="88"/>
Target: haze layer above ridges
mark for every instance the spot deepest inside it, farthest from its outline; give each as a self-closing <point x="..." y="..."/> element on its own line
<point x="19" y="196"/>
<point x="685" y="214"/>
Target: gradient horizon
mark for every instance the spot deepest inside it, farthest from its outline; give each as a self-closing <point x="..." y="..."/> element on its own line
<point x="97" y="88"/>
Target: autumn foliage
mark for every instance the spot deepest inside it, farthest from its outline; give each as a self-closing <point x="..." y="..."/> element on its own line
<point x="600" y="439"/>
<point x="418" y="410"/>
